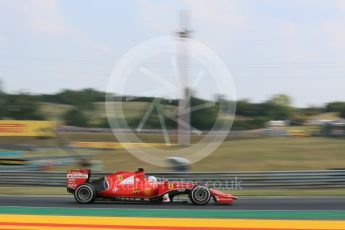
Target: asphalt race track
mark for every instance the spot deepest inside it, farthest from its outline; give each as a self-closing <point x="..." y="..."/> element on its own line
<point x="244" y="203"/>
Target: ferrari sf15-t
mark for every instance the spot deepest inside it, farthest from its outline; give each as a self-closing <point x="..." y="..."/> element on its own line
<point x="136" y="186"/>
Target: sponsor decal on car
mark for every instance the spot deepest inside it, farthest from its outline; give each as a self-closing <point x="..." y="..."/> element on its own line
<point x="77" y="175"/>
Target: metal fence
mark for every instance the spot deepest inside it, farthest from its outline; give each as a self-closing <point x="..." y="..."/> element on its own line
<point x="222" y="180"/>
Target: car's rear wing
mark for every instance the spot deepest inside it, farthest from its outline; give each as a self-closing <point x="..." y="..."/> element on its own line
<point x="76" y="177"/>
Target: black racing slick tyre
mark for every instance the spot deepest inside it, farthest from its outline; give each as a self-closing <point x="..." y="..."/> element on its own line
<point x="200" y="195"/>
<point x="85" y="193"/>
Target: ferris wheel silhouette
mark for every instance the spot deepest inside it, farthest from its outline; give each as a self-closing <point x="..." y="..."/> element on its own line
<point x="136" y="61"/>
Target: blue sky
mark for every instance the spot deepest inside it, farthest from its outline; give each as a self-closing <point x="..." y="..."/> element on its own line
<point x="270" y="46"/>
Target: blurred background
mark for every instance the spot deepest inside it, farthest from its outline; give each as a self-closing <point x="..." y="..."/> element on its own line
<point x="286" y="59"/>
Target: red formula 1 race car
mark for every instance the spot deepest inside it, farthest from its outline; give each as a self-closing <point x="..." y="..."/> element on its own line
<point x="124" y="185"/>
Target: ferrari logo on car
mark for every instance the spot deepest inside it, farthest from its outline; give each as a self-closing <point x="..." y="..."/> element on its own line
<point x="135" y="191"/>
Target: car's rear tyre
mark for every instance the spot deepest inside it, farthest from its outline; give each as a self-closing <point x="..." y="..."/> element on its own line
<point x="85" y="193"/>
<point x="200" y="195"/>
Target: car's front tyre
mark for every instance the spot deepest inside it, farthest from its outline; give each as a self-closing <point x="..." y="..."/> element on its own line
<point x="85" y="193"/>
<point x="200" y="195"/>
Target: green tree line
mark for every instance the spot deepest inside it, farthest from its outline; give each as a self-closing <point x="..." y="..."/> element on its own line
<point x="249" y="115"/>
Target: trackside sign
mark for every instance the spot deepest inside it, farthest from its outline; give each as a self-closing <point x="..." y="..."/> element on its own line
<point x="27" y="128"/>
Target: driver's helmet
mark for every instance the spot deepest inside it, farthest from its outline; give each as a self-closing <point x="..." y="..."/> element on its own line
<point x="152" y="179"/>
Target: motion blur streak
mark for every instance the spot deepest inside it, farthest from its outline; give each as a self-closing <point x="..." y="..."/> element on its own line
<point x="8" y="221"/>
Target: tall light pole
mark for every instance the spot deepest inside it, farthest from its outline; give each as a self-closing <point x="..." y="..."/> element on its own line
<point x="183" y="121"/>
